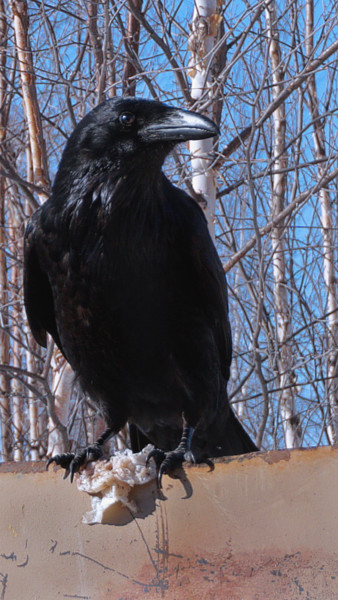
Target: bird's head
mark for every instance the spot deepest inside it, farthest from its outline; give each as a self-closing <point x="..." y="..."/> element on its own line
<point x="121" y="129"/>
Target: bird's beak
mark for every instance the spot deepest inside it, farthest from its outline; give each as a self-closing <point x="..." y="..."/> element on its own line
<point x="178" y="125"/>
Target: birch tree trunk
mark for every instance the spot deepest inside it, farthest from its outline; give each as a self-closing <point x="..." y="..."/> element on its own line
<point x="329" y="246"/>
<point x="132" y="44"/>
<point x="29" y="96"/>
<point x="96" y="43"/>
<point x="286" y="374"/>
<point x="33" y="348"/>
<point x="110" y="55"/>
<point x="4" y="291"/>
<point x="239" y="406"/>
<point x="63" y="383"/>
<point x="4" y="337"/>
<point x="205" y="28"/>
<point x="16" y="308"/>
<point x="37" y="173"/>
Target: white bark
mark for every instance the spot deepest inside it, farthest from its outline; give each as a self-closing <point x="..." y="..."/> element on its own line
<point x="33" y="411"/>
<point x="201" y="42"/>
<point x="33" y="348"/>
<point x="16" y="387"/>
<point x="5" y="430"/>
<point x="63" y="382"/>
<point x="29" y="96"/>
<point x="283" y="318"/>
<point x="329" y="248"/>
<point x="239" y="406"/>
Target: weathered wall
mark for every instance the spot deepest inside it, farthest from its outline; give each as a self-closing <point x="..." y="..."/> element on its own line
<point x="258" y="527"/>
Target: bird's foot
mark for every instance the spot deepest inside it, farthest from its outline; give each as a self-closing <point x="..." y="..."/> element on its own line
<point x="72" y="462"/>
<point x="167" y="462"/>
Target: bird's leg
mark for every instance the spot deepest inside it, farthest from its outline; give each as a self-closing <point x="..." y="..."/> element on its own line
<point x="169" y="461"/>
<point x="73" y="461"/>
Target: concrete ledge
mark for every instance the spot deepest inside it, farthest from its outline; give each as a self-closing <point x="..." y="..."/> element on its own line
<point x="261" y="526"/>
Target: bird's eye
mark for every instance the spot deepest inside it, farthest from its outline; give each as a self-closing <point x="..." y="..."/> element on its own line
<point x="127" y="118"/>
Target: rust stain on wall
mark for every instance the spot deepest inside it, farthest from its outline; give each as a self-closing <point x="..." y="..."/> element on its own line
<point x="244" y="577"/>
<point x="23" y="467"/>
<point x="275" y="456"/>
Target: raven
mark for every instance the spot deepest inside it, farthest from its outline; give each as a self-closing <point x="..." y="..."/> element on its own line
<point x="121" y="271"/>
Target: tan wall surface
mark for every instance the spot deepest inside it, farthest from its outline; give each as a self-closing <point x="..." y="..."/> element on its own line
<point x="259" y="526"/>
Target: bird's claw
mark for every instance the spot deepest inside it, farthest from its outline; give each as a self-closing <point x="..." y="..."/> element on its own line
<point x="72" y="462"/>
<point x="62" y="460"/>
<point x="167" y="462"/>
<point x="157" y="455"/>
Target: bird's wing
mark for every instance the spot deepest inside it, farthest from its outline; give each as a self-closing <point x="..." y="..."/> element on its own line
<point x="37" y="291"/>
<point x="212" y="286"/>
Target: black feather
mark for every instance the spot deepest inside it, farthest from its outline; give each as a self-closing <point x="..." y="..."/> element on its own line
<point x="121" y="271"/>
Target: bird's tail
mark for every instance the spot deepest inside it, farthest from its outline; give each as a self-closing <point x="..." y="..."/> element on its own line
<point x="236" y="439"/>
<point x="225" y="436"/>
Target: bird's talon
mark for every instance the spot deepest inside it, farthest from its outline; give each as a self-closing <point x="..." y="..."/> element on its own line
<point x="157" y="455"/>
<point x="73" y="469"/>
<point x="61" y="460"/>
<point x="167" y="462"/>
<point x="93" y="452"/>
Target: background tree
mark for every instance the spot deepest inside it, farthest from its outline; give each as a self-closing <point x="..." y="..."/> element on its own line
<point x="267" y="73"/>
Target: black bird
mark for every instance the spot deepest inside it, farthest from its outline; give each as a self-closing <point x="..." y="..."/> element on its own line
<point x="120" y="269"/>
